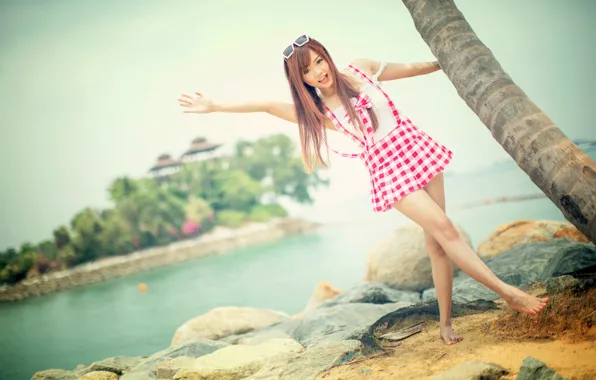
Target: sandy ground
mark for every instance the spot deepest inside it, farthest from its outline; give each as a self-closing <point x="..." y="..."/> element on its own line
<point x="425" y="354"/>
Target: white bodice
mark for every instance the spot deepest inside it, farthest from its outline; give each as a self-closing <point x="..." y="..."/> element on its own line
<point x="380" y="105"/>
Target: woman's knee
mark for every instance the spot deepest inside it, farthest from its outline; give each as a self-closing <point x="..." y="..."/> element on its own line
<point x="444" y="229"/>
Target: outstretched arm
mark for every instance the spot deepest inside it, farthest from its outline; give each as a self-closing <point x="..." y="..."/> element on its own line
<point x="397" y="70"/>
<point x="198" y="103"/>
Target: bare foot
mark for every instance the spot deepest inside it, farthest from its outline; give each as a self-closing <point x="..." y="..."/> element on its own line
<point x="525" y="303"/>
<point x="450" y="336"/>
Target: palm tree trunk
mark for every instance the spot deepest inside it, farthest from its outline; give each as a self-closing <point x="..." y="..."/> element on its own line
<point x="557" y="166"/>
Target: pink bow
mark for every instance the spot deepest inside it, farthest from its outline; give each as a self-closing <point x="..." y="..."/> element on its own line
<point x="362" y="102"/>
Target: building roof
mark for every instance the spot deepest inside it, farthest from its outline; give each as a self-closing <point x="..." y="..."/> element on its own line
<point x="200" y="144"/>
<point x="164" y="161"/>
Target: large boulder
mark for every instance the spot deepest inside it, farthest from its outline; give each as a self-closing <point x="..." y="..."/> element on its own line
<point x="576" y="258"/>
<point x="509" y="235"/>
<point x="340" y="321"/>
<point x="223" y="321"/>
<point x="370" y="292"/>
<point x="233" y="362"/>
<point x="139" y="375"/>
<point x="466" y="289"/>
<point x="117" y="365"/>
<point x="325" y="324"/>
<point x="522" y="264"/>
<point x="401" y="260"/>
<point x="194" y="349"/>
<point x="309" y="364"/>
<point x="55" y="374"/>
<point x="99" y="375"/>
<point x="283" y="329"/>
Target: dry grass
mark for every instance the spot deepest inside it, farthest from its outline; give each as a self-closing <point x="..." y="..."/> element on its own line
<point x="567" y="316"/>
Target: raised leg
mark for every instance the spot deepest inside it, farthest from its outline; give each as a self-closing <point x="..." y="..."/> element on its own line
<point x="442" y="269"/>
<point x="423" y="210"/>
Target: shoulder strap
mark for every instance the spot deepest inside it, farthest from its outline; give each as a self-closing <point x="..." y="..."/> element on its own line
<point x="339" y="127"/>
<point x="379" y="72"/>
<point x="360" y="73"/>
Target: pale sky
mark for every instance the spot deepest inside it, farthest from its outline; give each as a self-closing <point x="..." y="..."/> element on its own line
<point x="88" y="89"/>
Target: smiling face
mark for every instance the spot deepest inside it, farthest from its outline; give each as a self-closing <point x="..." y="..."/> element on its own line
<point x="317" y="73"/>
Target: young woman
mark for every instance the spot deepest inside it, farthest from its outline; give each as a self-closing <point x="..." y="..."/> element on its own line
<point x="405" y="164"/>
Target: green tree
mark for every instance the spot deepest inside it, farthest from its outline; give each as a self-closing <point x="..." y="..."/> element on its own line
<point x="122" y="188"/>
<point x="274" y="162"/>
<point x="198" y="210"/>
<point x="236" y="190"/>
<point x="7" y="257"/>
<point x="19" y="265"/>
<point x="116" y="235"/>
<point x="558" y="167"/>
<point x="190" y="179"/>
<point x="61" y="237"/>
<point x="68" y="256"/>
<point x="48" y="249"/>
<point x="162" y="210"/>
<point x="87" y="226"/>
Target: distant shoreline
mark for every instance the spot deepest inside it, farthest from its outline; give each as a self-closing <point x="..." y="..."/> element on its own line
<point x="218" y="241"/>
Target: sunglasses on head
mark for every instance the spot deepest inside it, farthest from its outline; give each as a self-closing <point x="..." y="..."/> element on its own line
<point x="300" y="41"/>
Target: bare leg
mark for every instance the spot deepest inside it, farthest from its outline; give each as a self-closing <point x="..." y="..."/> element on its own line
<point x="421" y="209"/>
<point x="442" y="269"/>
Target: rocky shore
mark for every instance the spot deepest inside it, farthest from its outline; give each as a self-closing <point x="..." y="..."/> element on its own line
<point x="218" y="241"/>
<point x="381" y="329"/>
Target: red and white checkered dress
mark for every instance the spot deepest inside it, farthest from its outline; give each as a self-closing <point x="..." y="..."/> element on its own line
<point x="402" y="161"/>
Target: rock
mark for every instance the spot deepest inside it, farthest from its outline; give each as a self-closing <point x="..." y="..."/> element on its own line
<point x="167" y="369"/>
<point x="466" y="289"/>
<point x="333" y="323"/>
<point x="309" y="364"/>
<point x="324" y="291"/>
<point x="193" y="349"/>
<point x="586" y="283"/>
<point x="99" y="375"/>
<point x="529" y="260"/>
<point x="316" y="326"/>
<point x="509" y="235"/>
<point x="283" y="329"/>
<point x="472" y="370"/>
<point x="401" y="260"/>
<point x="80" y="367"/>
<point x="223" y="321"/>
<point x="408" y="316"/>
<point x="532" y="369"/>
<point x="139" y="375"/>
<point x="560" y="284"/>
<point x="238" y="362"/>
<point x="520" y="265"/>
<point x="575" y="258"/>
<point x="117" y="365"/>
<point x="55" y="374"/>
<point x="376" y="293"/>
<point x="572" y="233"/>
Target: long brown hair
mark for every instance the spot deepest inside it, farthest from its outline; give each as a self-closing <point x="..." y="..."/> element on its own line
<point x="309" y="106"/>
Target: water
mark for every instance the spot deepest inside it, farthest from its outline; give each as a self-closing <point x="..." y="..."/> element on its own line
<point x="113" y="318"/>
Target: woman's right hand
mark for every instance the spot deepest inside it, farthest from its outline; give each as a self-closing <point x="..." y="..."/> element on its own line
<point x="196" y="103"/>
